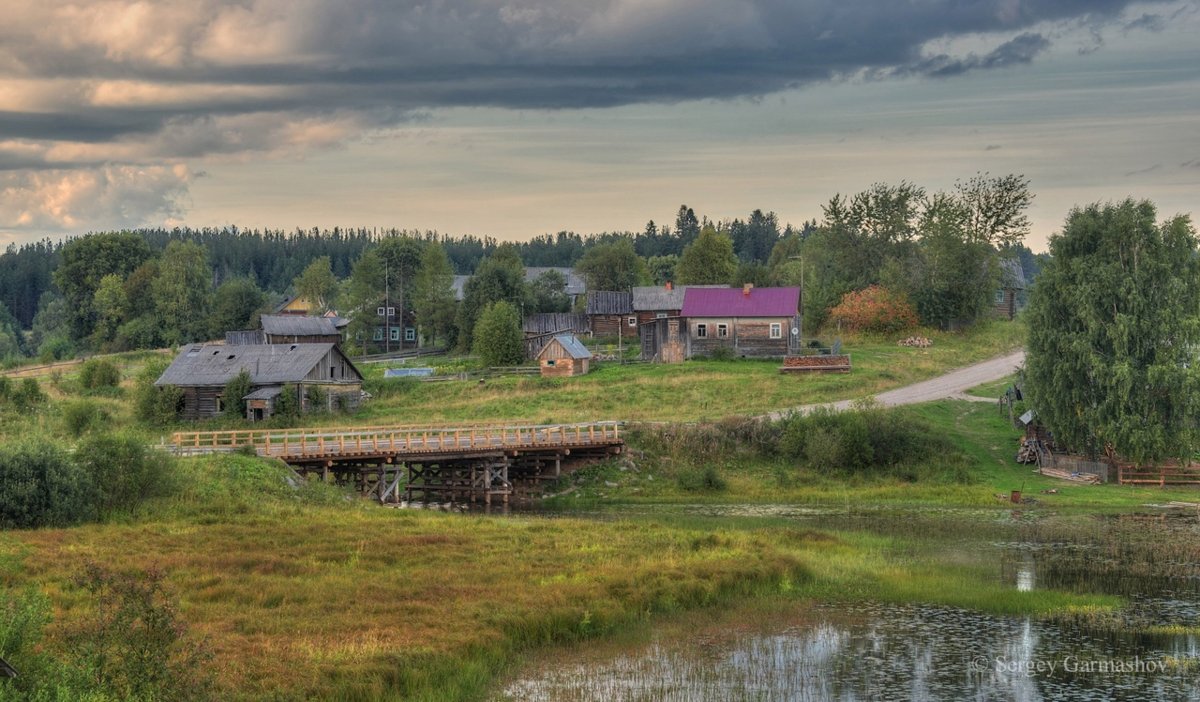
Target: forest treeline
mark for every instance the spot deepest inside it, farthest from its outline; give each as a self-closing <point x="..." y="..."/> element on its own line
<point x="149" y="287"/>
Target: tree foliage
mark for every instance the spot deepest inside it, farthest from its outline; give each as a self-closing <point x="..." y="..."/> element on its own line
<point x="318" y="285"/>
<point x="709" y="260"/>
<point x="498" y="339"/>
<point x="435" y="299"/>
<point x="41" y="486"/>
<point x="1114" y="329"/>
<point x="612" y="266"/>
<point x="183" y="293"/>
<point x="236" y="304"/>
<point x="496" y="280"/>
<point x="236" y="390"/>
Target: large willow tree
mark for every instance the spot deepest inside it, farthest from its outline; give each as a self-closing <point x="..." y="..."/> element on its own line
<point x="1114" y="335"/>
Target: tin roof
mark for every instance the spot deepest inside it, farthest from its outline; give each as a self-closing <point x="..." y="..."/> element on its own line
<point x="734" y="302"/>
<point x="1012" y="275"/>
<point x="200" y="365"/>
<point x="265" y="393"/>
<point x="573" y="346"/>
<point x="298" y="325"/>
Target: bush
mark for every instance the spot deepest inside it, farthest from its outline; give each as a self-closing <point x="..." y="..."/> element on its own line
<point x="28" y="394"/>
<point x="97" y="373"/>
<point x="41" y="486"/>
<point x="154" y="405"/>
<point x="875" y="309"/>
<point x="236" y="391"/>
<point x="318" y="399"/>
<point x="82" y="416"/>
<point x="6" y="387"/>
<point x="288" y="404"/>
<point x="134" y="645"/>
<point x="704" y="479"/>
<point x="869" y="439"/>
<point x="498" y="338"/>
<point x="124" y="472"/>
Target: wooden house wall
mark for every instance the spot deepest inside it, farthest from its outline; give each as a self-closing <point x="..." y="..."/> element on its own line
<point x="646" y="316"/>
<point x="1007" y="307"/>
<point x="332" y="367"/>
<point x="664" y="340"/>
<point x="612" y="325"/>
<point x="564" y="367"/>
<point x="748" y="336"/>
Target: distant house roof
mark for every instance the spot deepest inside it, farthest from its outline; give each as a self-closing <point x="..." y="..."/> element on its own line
<point x="573" y="346"/>
<point x="575" y="283"/>
<point x="658" y="298"/>
<point x="297" y="325"/>
<point x="605" y="302"/>
<point x="268" y="364"/>
<point x="735" y="302"/>
<point x="1012" y="274"/>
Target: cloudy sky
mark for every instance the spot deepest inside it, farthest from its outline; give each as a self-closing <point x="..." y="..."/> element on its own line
<point x="511" y="118"/>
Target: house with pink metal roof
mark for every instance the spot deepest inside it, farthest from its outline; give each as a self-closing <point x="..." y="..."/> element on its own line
<point x="750" y="322"/>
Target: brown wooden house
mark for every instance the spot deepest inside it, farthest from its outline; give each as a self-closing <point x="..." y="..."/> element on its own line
<point x="202" y="372"/>
<point x="611" y="313"/>
<point x="564" y="356"/>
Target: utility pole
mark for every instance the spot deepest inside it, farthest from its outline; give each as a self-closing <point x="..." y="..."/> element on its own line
<point x="387" y="318"/>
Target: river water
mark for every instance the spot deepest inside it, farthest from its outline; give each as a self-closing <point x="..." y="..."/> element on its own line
<point x="874" y="651"/>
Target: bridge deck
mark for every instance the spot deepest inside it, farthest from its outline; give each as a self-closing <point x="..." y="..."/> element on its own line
<point x="334" y="443"/>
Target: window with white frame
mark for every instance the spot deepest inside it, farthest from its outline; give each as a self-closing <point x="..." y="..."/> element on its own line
<point x="660" y="315"/>
<point x="391" y="311"/>
<point x="701" y="331"/>
<point x="410" y="334"/>
<point x="633" y="321"/>
<point x="776" y="330"/>
<point x="378" y="335"/>
<point x="722" y="331"/>
<point x="379" y="311"/>
<point x="394" y="334"/>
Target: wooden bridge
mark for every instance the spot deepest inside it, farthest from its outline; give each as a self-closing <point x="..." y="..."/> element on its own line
<point x="448" y="462"/>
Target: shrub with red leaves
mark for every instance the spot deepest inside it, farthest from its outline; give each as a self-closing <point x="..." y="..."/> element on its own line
<point x="875" y="309"/>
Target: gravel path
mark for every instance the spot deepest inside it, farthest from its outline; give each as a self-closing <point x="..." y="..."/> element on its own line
<point x="950" y="385"/>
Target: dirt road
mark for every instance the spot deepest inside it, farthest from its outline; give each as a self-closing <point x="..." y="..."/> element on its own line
<point x="949" y="385"/>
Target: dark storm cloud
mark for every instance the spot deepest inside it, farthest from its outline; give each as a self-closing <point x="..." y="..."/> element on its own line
<point x="87" y="85"/>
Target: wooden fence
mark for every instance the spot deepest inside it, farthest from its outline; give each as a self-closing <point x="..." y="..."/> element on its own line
<point x="375" y="441"/>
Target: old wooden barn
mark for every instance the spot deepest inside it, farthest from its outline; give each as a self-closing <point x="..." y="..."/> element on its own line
<point x="318" y="372"/>
<point x="611" y="313"/>
<point x="288" y="329"/>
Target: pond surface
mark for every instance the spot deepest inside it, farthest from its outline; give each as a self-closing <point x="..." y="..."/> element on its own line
<point x="872" y="651"/>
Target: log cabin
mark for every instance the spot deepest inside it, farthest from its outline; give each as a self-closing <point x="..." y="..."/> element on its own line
<point x="202" y="372"/>
<point x="1012" y="281"/>
<point x="611" y="313"/>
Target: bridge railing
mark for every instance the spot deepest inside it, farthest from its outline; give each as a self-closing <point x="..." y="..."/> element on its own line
<point x="358" y="440"/>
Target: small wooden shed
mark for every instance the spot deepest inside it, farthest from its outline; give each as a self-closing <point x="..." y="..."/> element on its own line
<point x="564" y="356"/>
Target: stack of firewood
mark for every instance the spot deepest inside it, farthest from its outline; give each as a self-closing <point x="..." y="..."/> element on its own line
<point x="1027" y="453"/>
<point x="919" y="342"/>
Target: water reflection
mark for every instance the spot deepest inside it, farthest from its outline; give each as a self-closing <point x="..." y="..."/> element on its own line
<point x="884" y="653"/>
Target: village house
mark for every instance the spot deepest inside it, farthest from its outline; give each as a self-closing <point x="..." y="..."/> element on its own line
<point x="564" y="356"/>
<point x="750" y="322"/>
<point x="659" y="302"/>
<point x="294" y="305"/>
<point x="318" y="372"/>
<point x="1012" y="279"/>
<point x="394" y="329"/>
<point x="611" y="313"/>
<point x="288" y="329"/>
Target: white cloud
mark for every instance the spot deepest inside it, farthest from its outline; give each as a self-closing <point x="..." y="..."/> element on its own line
<point x="109" y="197"/>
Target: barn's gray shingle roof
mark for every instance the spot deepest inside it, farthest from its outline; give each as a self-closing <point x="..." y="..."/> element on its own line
<point x="658" y="299"/>
<point x="297" y="325"/>
<point x="199" y="365"/>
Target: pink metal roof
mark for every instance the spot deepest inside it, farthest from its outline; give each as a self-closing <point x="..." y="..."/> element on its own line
<point x="733" y="302"/>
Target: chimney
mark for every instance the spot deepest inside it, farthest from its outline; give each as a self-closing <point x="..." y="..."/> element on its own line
<point x="668" y="285"/>
<point x="747" y="288"/>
